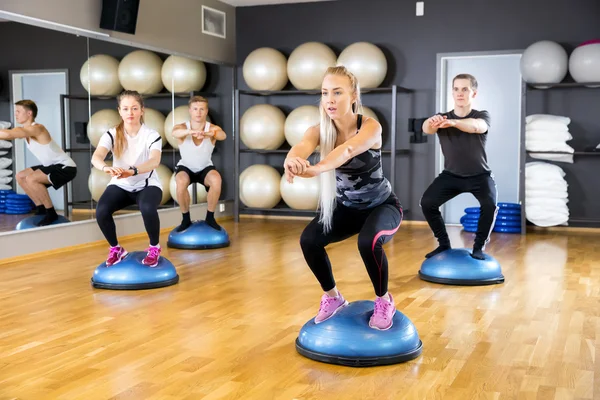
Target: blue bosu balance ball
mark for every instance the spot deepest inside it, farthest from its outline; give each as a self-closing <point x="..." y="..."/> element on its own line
<point x="347" y="339"/>
<point x="31" y="222"/>
<point x="457" y="267"/>
<point x="198" y="236"/>
<point x="131" y="274"/>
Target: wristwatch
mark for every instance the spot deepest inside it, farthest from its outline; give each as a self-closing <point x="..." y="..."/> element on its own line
<point x="135" y="171"/>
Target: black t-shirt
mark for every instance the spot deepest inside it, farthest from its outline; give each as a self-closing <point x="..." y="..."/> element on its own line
<point x="464" y="153"/>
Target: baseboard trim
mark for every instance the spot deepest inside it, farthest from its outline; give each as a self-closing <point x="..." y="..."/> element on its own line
<point x="20" y="244"/>
<point x="87" y="245"/>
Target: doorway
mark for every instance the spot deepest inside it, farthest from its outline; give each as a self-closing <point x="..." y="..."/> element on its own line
<point x="44" y="87"/>
<point x="499" y="81"/>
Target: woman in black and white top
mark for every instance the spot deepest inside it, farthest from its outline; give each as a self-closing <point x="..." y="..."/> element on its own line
<point x="136" y="154"/>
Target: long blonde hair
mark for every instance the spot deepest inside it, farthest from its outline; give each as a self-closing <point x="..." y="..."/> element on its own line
<point x="120" y="140"/>
<point x="327" y="139"/>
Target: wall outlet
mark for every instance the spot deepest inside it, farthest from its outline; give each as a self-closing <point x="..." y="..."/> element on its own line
<point x="420" y="8"/>
<point x="221" y="207"/>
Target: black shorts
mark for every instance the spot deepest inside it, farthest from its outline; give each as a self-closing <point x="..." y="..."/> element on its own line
<point x="195" y="177"/>
<point x="58" y="174"/>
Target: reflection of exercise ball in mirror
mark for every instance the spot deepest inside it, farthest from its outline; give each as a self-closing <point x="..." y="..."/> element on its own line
<point x="201" y="193"/>
<point x="155" y="120"/>
<point x="99" y="75"/>
<point x="180" y="115"/>
<point x="181" y="74"/>
<point x="140" y="70"/>
<point x="100" y="122"/>
<point x="164" y="174"/>
<point x="97" y="181"/>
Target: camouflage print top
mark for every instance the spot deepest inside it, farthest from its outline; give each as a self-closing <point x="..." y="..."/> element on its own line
<point x="360" y="181"/>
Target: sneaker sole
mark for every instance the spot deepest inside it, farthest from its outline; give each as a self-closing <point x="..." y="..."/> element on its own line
<point x="384" y="329"/>
<point x="336" y="310"/>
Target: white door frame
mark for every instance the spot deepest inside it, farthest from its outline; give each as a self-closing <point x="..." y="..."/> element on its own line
<point x="16" y="94"/>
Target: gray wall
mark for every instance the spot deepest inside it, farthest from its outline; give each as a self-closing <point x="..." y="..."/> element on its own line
<point x="411" y="44"/>
<point x="174" y="25"/>
<point x="58" y="50"/>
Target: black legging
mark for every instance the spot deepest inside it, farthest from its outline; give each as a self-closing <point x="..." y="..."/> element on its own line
<point x="375" y="227"/>
<point x="114" y="199"/>
<point x="447" y="186"/>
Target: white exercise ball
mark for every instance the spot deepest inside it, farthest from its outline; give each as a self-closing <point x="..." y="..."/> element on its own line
<point x="140" y="70"/>
<point x="97" y="181"/>
<point x="302" y="193"/>
<point x="201" y="193"/>
<point x="584" y="62"/>
<point x="367" y="112"/>
<point x="259" y="186"/>
<point x="100" y="122"/>
<point x="155" y="120"/>
<point x="99" y="75"/>
<point x="308" y="63"/>
<point x="164" y="175"/>
<point x="265" y="69"/>
<point x="262" y="127"/>
<point x="366" y="61"/>
<point x="182" y="74"/>
<point x="544" y="62"/>
<point x="298" y="121"/>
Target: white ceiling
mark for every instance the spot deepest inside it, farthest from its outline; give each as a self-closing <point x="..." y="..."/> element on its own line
<point x="245" y="3"/>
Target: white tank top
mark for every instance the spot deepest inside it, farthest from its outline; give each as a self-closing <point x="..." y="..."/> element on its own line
<point x="49" y="154"/>
<point x="196" y="158"/>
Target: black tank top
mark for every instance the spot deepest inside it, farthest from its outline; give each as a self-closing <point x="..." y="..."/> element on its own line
<point x="360" y="181"/>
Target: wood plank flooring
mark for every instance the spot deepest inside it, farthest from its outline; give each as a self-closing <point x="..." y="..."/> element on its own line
<point x="227" y="330"/>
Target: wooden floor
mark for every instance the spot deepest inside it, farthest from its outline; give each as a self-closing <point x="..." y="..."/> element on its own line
<point x="227" y="330"/>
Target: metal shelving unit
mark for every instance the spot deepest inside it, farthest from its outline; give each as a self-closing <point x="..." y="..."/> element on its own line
<point x="281" y="208"/>
<point x="525" y="87"/>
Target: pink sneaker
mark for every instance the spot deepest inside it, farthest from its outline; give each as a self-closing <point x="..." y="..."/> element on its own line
<point x="383" y="316"/>
<point x="152" y="257"/>
<point x="329" y="306"/>
<point x="115" y="255"/>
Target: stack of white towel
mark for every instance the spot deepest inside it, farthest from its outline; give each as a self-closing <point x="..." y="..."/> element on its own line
<point x="6" y="174"/>
<point x="544" y="132"/>
<point x="546" y="194"/>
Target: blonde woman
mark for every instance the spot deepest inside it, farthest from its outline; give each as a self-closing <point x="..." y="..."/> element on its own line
<point x="136" y="152"/>
<point x="356" y="198"/>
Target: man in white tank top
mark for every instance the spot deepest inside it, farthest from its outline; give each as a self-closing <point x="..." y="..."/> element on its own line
<point x="56" y="168"/>
<point x="196" y="139"/>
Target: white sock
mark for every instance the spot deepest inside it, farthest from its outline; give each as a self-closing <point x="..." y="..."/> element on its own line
<point x="157" y="246"/>
<point x="386" y="297"/>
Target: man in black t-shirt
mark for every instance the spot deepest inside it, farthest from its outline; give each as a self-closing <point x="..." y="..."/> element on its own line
<point x="462" y="133"/>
